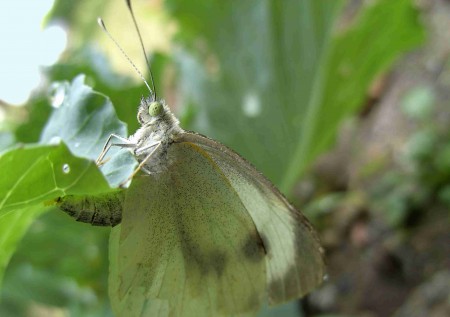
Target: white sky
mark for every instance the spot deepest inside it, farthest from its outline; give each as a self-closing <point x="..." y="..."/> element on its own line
<point x="25" y="46"/>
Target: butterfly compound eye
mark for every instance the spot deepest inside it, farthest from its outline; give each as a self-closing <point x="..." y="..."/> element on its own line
<point x="155" y="109"/>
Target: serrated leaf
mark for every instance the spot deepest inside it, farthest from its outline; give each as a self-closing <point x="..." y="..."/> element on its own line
<point x="83" y="121"/>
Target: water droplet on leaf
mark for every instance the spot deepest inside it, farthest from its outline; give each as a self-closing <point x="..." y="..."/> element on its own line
<point x="66" y="169"/>
<point x="55" y="140"/>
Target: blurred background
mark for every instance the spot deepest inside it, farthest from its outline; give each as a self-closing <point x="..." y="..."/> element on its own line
<point x="344" y="105"/>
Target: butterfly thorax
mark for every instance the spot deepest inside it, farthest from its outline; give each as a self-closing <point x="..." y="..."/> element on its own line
<point x="155" y="136"/>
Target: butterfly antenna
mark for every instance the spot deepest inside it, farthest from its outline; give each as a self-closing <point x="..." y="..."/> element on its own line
<point x="102" y="25"/>
<point x="142" y="46"/>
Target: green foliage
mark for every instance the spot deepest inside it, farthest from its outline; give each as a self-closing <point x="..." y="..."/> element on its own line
<point x="271" y="79"/>
<point x="82" y="119"/>
<point x="284" y="77"/>
<point x="92" y="120"/>
<point x="36" y="174"/>
<point x="424" y="172"/>
<point x="12" y="227"/>
<point x="98" y="73"/>
<point x="68" y="272"/>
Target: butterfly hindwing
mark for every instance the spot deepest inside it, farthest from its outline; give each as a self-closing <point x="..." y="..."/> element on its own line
<point x="295" y="264"/>
<point x="186" y="245"/>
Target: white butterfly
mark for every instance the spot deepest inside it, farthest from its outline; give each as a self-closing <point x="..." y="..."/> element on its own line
<point x="202" y="232"/>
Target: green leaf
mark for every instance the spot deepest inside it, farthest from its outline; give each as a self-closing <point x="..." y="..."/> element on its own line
<point x="274" y="79"/>
<point x="7" y="140"/>
<point x="69" y="271"/>
<point x="35" y="174"/>
<point x="381" y="33"/>
<point x="39" y="111"/>
<point x="12" y="228"/>
<point x="83" y="119"/>
<point x="47" y="288"/>
<point x="99" y="74"/>
<point x="123" y="91"/>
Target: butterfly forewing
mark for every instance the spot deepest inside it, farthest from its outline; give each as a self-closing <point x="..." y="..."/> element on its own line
<point x="294" y="258"/>
<point x="187" y="245"/>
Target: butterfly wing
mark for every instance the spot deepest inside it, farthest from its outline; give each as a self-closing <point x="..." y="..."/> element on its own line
<point x="295" y="264"/>
<point x="186" y="245"/>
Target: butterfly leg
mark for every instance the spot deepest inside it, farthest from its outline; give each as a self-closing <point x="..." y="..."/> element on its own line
<point x="127" y="144"/>
<point x="142" y="150"/>
<point x="141" y="164"/>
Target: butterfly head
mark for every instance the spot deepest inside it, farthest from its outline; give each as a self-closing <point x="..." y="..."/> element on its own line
<point x="150" y="110"/>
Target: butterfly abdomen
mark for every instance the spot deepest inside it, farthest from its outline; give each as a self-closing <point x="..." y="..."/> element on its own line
<point x="101" y="210"/>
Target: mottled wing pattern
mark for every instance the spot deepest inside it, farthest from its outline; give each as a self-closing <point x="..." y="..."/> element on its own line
<point x="295" y="264"/>
<point x="186" y="245"/>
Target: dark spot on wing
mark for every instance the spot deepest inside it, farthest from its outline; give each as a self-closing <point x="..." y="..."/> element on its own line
<point x="218" y="260"/>
<point x="206" y="262"/>
<point x="265" y="242"/>
<point x="254" y="248"/>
